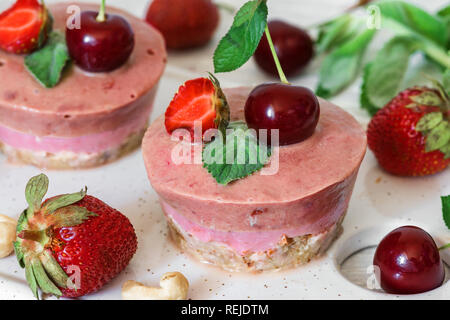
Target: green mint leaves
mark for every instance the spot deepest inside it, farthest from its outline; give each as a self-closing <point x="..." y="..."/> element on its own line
<point x="341" y="67"/>
<point x="446" y="210"/>
<point x="47" y="64"/>
<point x="241" y="41"/>
<point x="383" y="77"/>
<point x="239" y="156"/>
<point x="414" y="30"/>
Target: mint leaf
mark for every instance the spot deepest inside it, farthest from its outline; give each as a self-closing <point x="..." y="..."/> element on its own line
<point x="335" y="32"/>
<point x="446" y="81"/>
<point x="238" y="157"/>
<point x="406" y="18"/>
<point x="383" y="77"/>
<point x="446" y="210"/>
<point x="431" y="31"/>
<point x="241" y="41"/>
<point x="444" y="14"/>
<point x="341" y="67"/>
<point x="47" y="64"/>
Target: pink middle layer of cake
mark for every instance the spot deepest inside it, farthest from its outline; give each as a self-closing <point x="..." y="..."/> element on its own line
<point x="308" y="195"/>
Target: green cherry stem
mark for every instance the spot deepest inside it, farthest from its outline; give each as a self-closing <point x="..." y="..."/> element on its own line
<point x="101" y="14"/>
<point x="275" y="57"/>
<point x="445" y="246"/>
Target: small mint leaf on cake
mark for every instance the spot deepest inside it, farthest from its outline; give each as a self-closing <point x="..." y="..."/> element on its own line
<point x="48" y="63"/>
<point x="238" y="157"/>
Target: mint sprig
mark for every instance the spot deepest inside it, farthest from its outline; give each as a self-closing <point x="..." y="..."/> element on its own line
<point x="383" y="77"/>
<point x="241" y="41"/>
<point x="48" y="63"/>
<point x="239" y="156"/>
<point x="414" y="30"/>
<point x="341" y="67"/>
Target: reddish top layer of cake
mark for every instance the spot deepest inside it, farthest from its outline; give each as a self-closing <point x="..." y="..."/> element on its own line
<point x="310" y="191"/>
<point x="82" y="103"/>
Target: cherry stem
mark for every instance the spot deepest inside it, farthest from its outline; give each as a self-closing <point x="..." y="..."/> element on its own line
<point x="445" y="246"/>
<point x="101" y="14"/>
<point x="275" y="57"/>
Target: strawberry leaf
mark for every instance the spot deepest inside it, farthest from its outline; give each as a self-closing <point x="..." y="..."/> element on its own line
<point x="48" y="63"/>
<point x="53" y="269"/>
<point x="70" y="216"/>
<point x="336" y="32"/>
<point x="384" y="75"/>
<point x="446" y="210"/>
<point x="35" y="191"/>
<point x="429" y="121"/>
<point x="438" y="137"/>
<point x="42" y="279"/>
<point x="241" y="41"/>
<point x="29" y="275"/>
<point x="240" y="155"/>
<point x="63" y="201"/>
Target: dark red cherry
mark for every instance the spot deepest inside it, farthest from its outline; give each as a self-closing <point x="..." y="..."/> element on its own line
<point x="409" y="261"/>
<point x="293" y="45"/>
<point x="293" y="110"/>
<point x="100" y="46"/>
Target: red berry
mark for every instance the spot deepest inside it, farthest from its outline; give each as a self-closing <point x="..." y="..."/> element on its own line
<point x="101" y="247"/>
<point x="199" y="100"/>
<point x="397" y="145"/>
<point x="100" y="46"/>
<point x="184" y="24"/>
<point x="71" y="245"/>
<point x="24" y="27"/>
<point x="293" y="45"/>
<point x="293" y="110"/>
<point x="409" y="262"/>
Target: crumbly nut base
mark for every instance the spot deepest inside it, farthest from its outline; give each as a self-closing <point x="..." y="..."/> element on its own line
<point x="289" y="253"/>
<point x="72" y="160"/>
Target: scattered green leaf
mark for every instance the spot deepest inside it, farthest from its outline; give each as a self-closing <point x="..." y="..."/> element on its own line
<point x="383" y="77"/>
<point x="341" y="67"/>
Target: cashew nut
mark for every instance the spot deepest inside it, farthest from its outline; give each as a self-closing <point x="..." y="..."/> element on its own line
<point x="7" y="235"/>
<point x="174" y="286"/>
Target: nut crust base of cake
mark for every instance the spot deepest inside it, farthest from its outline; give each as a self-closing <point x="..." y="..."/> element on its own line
<point x="289" y="253"/>
<point x="72" y="160"/>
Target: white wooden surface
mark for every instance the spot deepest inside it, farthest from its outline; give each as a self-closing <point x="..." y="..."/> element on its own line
<point x="380" y="202"/>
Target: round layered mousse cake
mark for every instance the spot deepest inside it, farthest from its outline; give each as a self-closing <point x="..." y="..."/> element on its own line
<point x="87" y="119"/>
<point x="261" y="222"/>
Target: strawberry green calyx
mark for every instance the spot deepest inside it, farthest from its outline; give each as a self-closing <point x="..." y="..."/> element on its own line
<point x="35" y="230"/>
<point x="435" y="126"/>
<point x="221" y="106"/>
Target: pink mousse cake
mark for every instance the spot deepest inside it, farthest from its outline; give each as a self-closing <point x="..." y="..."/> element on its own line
<point x="261" y="222"/>
<point x="87" y="119"/>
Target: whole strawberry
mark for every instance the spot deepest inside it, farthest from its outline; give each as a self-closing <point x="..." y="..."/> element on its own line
<point x="71" y="245"/>
<point x="25" y="26"/>
<point x="184" y="24"/>
<point x="410" y="136"/>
